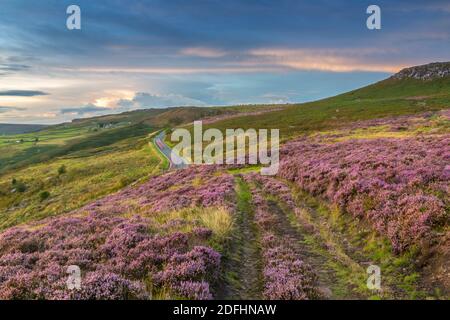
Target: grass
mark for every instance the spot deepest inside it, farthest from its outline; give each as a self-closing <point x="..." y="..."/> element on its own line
<point x="218" y="220"/>
<point x="344" y="277"/>
<point x="384" y="99"/>
<point x="352" y="243"/>
<point x="246" y="169"/>
<point x="57" y="142"/>
<point x="241" y="275"/>
<point x="88" y="175"/>
<point x="21" y="150"/>
<point x="101" y="155"/>
<point x="244" y="196"/>
<point x="104" y="154"/>
<point x="436" y="125"/>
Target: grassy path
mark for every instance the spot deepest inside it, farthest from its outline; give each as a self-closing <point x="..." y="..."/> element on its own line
<point x="341" y="248"/>
<point x="338" y="249"/>
<point x="243" y="259"/>
<point x="356" y="246"/>
<point x="340" y="275"/>
<point x="296" y="236"/>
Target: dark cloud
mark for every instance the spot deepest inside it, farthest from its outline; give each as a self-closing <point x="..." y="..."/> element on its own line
<point x="4" y="109"/>
<point x="23" y="93"/>
<point x="89" y="108"/>
<point x="160" y="28"/>
<point x="12" y="67"/>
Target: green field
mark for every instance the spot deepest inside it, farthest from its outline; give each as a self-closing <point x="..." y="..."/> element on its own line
<point x="66" y="183"/>
<point x="63" y="167"/>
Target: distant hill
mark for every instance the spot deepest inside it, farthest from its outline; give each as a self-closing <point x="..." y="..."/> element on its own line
<point x="412" y="90"/>
<point x="167" y="117"/>
<point x="6" y="128"/>
<point x="96" y="134"/>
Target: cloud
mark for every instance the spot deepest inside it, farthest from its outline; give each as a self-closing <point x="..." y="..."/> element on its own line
<point x="13" y="64"/>
<point x="268" y="59"/>
<point x="89" y="108"/>
<point x="22" y="93"/>
<point x="276" y="98"/>
<point x="172" y="71"/>
<point x="141" y="100"/>
<point x="13" y="67"/>
<point x="335" y="60"/>
<point x="203" y="52"/>
<point x="4" y="109"/>
<point x="47" y="115"/>
<point x="144" y="100"/>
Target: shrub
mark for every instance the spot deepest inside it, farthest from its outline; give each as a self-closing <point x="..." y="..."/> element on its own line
<point x="119" y="256"/>
<point x="172" y="191"/>
<point x="62" y="169"/>
<point x="398" y="185"/>
<point x="44" y="195"/>
<point x="116" y="255"/>
<point x="20" y="186"/>
<point x="124" y="181"/>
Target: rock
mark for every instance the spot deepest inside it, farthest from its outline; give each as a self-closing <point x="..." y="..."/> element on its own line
<point x="426" y="72"/>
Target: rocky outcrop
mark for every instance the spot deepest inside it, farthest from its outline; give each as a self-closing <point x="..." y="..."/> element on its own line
<point x="425" y="72"/>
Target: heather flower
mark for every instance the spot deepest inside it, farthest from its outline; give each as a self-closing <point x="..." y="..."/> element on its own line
<point x="116" y="257"/>
<point x="399" y="185"/>
<point x="109" y="286"/>
<point x="193" y="290"/>
<point x="286" y="276"/>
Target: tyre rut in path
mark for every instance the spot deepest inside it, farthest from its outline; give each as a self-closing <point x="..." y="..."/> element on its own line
<point x="243" y="263"/>
<point x="314" y="250"/>
<point x="283" y="227"/>
<point x="345" y="255"/>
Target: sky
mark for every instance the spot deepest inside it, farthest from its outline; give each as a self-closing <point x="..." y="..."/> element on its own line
<point x="135" y="54"/>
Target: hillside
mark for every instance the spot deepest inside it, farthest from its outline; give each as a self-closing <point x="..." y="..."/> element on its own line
<point x="20" y="150"/>
<point x="395" y="96"/>
<point x="96" y="156"/>
<point x="6" y="129"/>
<point x="226" y="232"/>
<point x="363" y="181"/>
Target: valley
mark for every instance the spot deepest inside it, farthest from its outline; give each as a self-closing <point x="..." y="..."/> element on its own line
<point x="363" y="181"/>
